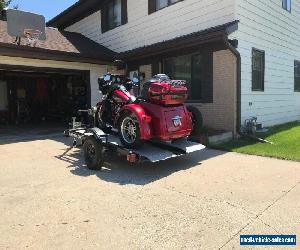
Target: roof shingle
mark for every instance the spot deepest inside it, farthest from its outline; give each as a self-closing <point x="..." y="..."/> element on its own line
<point x="61" y="42"/>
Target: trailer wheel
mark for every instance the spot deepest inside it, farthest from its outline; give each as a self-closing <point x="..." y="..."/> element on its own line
<point x="93" y="153"/>
<point x="197" y="120"/>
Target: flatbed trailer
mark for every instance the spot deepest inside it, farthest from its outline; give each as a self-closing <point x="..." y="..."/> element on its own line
<point x="96" y="144"/>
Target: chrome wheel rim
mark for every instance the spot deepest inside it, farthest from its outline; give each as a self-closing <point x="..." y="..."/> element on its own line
<point x="129" y="130"/>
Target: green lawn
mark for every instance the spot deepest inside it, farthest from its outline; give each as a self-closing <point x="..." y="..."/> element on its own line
<point x="286" y="139"/>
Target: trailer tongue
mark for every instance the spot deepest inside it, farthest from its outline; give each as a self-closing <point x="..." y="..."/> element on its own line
<point x="96" y="143"/>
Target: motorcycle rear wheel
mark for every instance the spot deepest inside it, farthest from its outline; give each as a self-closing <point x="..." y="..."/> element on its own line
<point x="129" y="131"/>
<point x="197" y="121"/>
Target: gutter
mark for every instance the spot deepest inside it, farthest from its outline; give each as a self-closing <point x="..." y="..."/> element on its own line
<point x="75" y="13"/>
<point x="191" y="40"/>
<point x="44" y="54"/>
<point x="238" y="88"/>
<point x="168" y="47"/>
<point x="65" y="12"/>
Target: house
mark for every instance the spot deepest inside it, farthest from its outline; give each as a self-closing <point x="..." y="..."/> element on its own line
<point x="242" y="58"/>
<point x="268" y="42"/>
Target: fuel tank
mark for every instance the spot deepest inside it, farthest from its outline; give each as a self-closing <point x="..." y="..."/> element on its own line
<point x="122" y="96"/>
<point x="119" y="96"/>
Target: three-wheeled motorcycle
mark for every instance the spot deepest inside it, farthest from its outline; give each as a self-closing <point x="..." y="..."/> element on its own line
<point x="159" y="114"/>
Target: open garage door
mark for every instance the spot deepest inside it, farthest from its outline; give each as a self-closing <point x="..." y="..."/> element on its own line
<point x="42" y="95"/>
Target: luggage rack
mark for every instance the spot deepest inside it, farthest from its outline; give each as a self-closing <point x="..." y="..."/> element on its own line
<point x="102" y="142"/>
<point x="178" y="82"/>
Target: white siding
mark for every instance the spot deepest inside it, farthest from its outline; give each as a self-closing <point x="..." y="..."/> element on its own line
<point x="263" y="25"/>
<point x="142" y="29"/>
<point x="266" y="26"/>
<point x="89" y="26"/>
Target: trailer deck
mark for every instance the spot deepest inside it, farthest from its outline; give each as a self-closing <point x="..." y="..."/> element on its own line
<point x="150" y="151"/>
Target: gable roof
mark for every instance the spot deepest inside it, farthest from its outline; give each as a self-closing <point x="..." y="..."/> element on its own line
<point x="60" y="45"/>
<point x="75" y="13"/>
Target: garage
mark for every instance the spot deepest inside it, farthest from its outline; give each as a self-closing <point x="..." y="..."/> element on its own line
<point x="32" y="95"/>
<point x="48" y="82"/>
<point x="36" y="95"/>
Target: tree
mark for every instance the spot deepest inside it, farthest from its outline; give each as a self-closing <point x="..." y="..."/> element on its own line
<point x="4" y="4"/>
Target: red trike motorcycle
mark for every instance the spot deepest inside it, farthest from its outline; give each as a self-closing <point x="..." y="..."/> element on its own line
<point x="159" y="114"/>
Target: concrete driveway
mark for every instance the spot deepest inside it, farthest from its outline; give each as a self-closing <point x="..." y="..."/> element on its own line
<point x="204" y="201"/>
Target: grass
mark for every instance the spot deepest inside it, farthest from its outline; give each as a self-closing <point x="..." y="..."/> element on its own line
<point x="286" y="139"/>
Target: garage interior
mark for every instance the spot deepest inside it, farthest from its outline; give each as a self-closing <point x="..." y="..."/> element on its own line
<point x="31" y="97"/>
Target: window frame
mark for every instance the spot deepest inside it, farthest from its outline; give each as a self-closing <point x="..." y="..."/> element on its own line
<point x="152" y="6"/>
<point x="262" y="88"/>
<point x="296" y="87"/>
<point x="207" y="88"/>
<point x="105" y="16"/>
<point x="286" y="8"/>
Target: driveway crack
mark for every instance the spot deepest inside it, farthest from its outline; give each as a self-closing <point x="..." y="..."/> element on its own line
<point x="279" y="198"/>
<point x="268" y="225"/>
<point x="259" y="214"/>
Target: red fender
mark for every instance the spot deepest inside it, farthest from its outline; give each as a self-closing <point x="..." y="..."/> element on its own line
<point x="143" y="119"/>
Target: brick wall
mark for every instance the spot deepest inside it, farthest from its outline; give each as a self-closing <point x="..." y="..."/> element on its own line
<point x="147" y="69"/>
<point x="221" y="114"/>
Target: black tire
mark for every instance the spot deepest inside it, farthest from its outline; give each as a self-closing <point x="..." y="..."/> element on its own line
<point x="197" y="120"/>
<point x="93" y="153"/>
<point x="130" y="139"/>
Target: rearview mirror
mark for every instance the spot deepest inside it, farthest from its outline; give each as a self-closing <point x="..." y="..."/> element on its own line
<point x="135" y="80"/>
<point x="107" y="78"/>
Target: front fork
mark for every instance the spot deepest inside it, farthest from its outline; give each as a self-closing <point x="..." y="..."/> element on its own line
<point x="103" y="114"/>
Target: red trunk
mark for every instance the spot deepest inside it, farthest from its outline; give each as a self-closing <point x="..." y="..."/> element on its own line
<point x="167" y="93"/>
<point x="168" y="123"/>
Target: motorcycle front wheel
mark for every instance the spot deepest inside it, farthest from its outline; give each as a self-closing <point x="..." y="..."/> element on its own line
<point x="129" y="131"/>
<point x="101" y="124"/>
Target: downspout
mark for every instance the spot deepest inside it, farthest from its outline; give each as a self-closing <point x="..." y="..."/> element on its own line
<point x="238" y="83"/>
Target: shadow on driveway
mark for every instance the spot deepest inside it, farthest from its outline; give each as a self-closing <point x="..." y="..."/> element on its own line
<point x="30" y="132"/>
<point x="119" y="171"/>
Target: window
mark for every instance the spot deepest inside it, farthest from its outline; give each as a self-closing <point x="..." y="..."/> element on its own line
<point x="258" y="70"/>
<point x="114" y="14"/>
<point x="297" y="75"/>
<point x="287" y="5"/>
<point x="114" y="17"/>
<point x="197" y="70"/>
<point x="155" y="5"/>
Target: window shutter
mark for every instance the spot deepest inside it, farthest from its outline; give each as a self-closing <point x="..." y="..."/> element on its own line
<point x="124" y="12"/>
<point x="207" y="83"/>
<point x="151" y="6"/>
<point x="104" y="24"/>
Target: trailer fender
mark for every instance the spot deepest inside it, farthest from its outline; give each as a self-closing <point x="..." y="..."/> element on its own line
<point x="143" y="119"/>
<point x="97" y="133"/>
